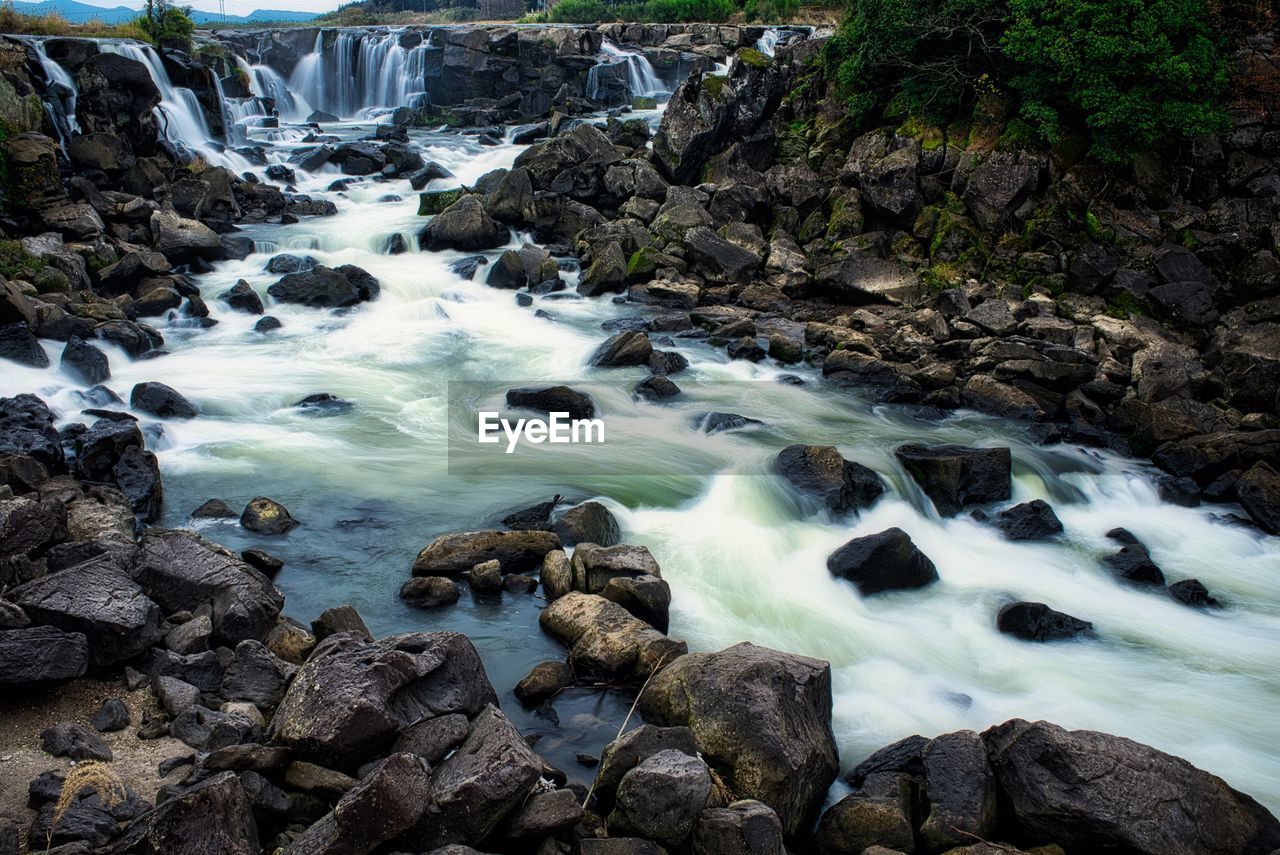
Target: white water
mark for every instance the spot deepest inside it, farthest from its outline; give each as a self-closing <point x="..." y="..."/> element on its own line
<point x="745" y="558"/>
<point x="642" y="78"/>
<point x="768" y="43"/>
<point x="362" y="75"/>
<point x="59" y="82"/>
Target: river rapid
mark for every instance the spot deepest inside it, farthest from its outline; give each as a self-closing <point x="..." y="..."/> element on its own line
<point x="746" y="558"/>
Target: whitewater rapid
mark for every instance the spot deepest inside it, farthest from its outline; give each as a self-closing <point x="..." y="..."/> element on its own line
<point x="745" y="557"/>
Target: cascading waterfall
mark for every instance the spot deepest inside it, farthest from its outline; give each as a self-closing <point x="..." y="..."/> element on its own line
<point x="642" y="79"/>
<point x="361" y="74"/>
<point x="61" y="101"/>
<point x="179" y="114"/>
<point x="270" y="92"/>
<point x="767" y="44"/>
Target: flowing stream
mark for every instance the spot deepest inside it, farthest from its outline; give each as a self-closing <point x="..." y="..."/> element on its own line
<point x="745" y="557"/>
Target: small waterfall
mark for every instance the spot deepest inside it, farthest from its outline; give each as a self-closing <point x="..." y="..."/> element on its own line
<point x="61" y="101"/>
<point x="767" y="44"/>
<point x="180" y="116"/>
<point x="642" y="80"/>
<point x="270" y="92"/>
<point x="362" y="74"/>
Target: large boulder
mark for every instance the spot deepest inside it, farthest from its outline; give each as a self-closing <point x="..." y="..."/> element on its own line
<point x="41" y="654"/>
<point x="213" y="817"/>
<point x="996" y="191"/>
<point x="481" y="783"/>
<point x="746" y="827"/>
<point x="590" y="522"/>
<point x="515" y="551"/>
<point x="594" y="566"/>
<point x="98" y="599"/>
<point x="464" y="225"/>
<point x="1093" y="792"/>
<point x="553" y="399"/>
<point x="885" y="168"/>
<point x="323" y="287"/>
<point x="180" y="239"/>
<point x="886" y="561"/>
<point x="183" y="572"/>
<point x="761" y="718"/>
<point x="387" y="801"/>
<point x="161" y="400"/>
<point x="26" y="427"/>
<point x="1259" y="494"/>
<point x="819" y="471"/>
<point x="960" y="789"/>
<point x="878" y="817"/>
<point x="660" y="798"/>
<point x="353" y="696"/>
<point x="1038" y="622"/>
<point x="953" y="476"/>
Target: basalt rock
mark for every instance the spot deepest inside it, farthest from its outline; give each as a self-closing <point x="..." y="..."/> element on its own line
<point x="840" y="485"/>
<point x="41" y="654"/>
<point x="457" y="553"/>
<point x="761" y="718"/>
<point x="464" y="225"/>
<point x="161" y="400"/>
<point x="1038" y="622"/>
<point x="953" y="476"/>
<point x="882" y="562"/>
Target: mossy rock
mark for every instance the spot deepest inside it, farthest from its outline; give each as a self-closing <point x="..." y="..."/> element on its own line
<point x="753" y="58"/>
<point x="433" y="202"/>
<point x="642" y="103"/>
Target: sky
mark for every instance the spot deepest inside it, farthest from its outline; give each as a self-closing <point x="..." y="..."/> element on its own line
<point x="234" y="7"/>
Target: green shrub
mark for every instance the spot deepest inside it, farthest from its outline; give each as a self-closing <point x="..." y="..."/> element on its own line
<point x="1128" y="71"/>
<point x="166" y="25"/>
<point x="771" y="11"/>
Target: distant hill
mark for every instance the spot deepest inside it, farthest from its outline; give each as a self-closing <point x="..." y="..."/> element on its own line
<point x="77" y="12"/>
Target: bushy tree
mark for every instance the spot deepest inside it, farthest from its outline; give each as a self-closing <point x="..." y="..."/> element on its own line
<point x="167" y="25"/>
<point x="1130" y="73"/>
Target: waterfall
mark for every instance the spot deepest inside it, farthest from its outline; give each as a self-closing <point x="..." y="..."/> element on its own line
<point x="61" y="101"/>
<point x="642" y="80"/>
<point x="361" y="75"/>
<point x="179" y="114"/>
<point x="767" y="44"/>
<point x="270" y="92"/>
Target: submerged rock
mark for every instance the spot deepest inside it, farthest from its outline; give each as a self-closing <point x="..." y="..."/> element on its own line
<point x="1038" y="622"/>
<point x="267" y="516"/>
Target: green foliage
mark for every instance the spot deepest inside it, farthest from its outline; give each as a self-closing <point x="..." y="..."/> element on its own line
<point x="1124" y="75"/>
<point x="16" y="262"/>
<point x="659" y="11"/>
<point x="1129" y="71"/>
<point x="166" y="25"/>
<point x="771" y="11"/>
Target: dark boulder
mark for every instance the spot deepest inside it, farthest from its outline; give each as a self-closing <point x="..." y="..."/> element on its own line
<point x="213" y="817"/>
<point x="630" y="347"/>
<point x="322" y="287"/>
<point x="660" y="798"/>
<point x="464" y="225"/>
<point x="256" y="675"/>
<point x="337" y="619"/>
<point x="631" y="749"/>
<point x="761" y="718"/>
<point x="112" y="716"/>
<point x="41" y="654"/>
<point x="19" y="344"/>
<point x="1033" y="520"/>
<point x="243" y="298"/>
<point x="1093" y="792"/>
<point x="99" y="599"/>
<point x="590" y="522"/>
<point x="353" y="696"/>
<point x="1133" y="564"/>
<point x="553" y="399"/>
<point x="961" y="791"/>
<point x="388" y="801"/>
<point x="429" y="592"/>
<point x="1258" y="491"/>
<point x="819" y="470"/>
<point x="267" y="516"/>
<point x="656" y="388"/>
<point x="75" y="742"/>
<point x="954" y="476"/>
<point x="880" y="814"/>
<point x="543" y="682"/>
<point x="84" y="361"/>
<point x="26" y="427"/>
<point x="162" y="401"/>
<point x="432" y="739"/>
<point x="746" y="827"/>
<point x="543" y="815"/>
<point x="647" y="597"/>
<point x="1192" y="592"/>
<point x="1038" y="622"/>
<point x="882" y="562"/>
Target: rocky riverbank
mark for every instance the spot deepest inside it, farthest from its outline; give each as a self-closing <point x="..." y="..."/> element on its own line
<point x="751" y="221"/>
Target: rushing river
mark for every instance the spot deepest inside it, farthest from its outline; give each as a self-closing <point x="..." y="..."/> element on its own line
<point x="744" y="557"/>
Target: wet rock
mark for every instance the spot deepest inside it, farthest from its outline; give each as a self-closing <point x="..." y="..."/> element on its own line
<point x="190" y="637"/>
<point x="212" y="816"/>
<point x="353" y="696"/>
<point x="533" y="518"/>
<point x="256" y="675"/>
<point x="429" y="172"/>
<point x="267" y="324"/>
<point x="317" y="780"/>
<point x="338" y="619"/>
<point x="102" y="446"/>
<point x="456" y="553"/>
<point x="388" y="801"/>
<point x="590" y="522"/>
<point x="482" y="782"/>
<point x="761" y="718"/>
<point x="243" y="298"/>
<point x="882" y="562"/>
<point x="656" y="388"/>
<point x="290" y="640"/>
<point x="183" y="572"/>
<point x="630" y="347"/>
<point x="840" y="485"/>
<point x="74" y="741"/>
<point x="557" y="574"/>
<point x="543" y="682"/>
<point x="31" y="528"/>
<point x="880" y="813"/>
<point x="486" y="577"/>
<point x="111" y="716"/>
<point x="85" y="362"/>
<point x="289" y="263"/>
<point x="954" y="476"/>
<point x="961" y="791"/>
<point x="323" y="403"/>
<point x="1095" y="792"/>
<point x="712" y="423"/>
<point x="464" y="225"/>
<point x="1033" y="520"/>
<point x="1258" y="491"/>
<point x="99" y="599"/>
<point x="553" y="399"/>
<point x="432" y="739"/>
<point x="594" y="565"/>
<point x="137" y="474"/>
<point x="646" y="597"/>
<point x="1038" y="622"/>
<point x="1192" y="592"/>
<point x="605" y="639"/>
<point x="41" y="654"/>
<point x="1133" y="564"/>
<point x="161" y="400"/>
<point x="261" y="561"/>
<point x="267" y="516"/>
<point x="660" y="798"/>
<point x="429" y="592"/>
<point x="745" y="827"/>
<point x="543" y="815"/>
<point x="465" y="268"/>
<point x="322" y="287"/>
<point x="19" y="344"/>
<point x="180" y="239"/>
